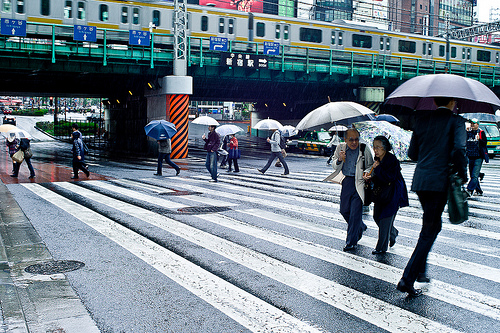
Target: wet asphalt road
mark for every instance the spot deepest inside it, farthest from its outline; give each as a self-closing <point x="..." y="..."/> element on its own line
<point x="264" y="255"/>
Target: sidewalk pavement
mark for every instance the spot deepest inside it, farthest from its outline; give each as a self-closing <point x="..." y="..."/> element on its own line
<point x="33" y="302"/>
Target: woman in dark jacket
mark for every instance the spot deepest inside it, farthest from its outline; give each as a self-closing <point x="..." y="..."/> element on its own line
<point x="78" y="155"/>
<point x="387" y="173"/>
<point x="24" y="145"/>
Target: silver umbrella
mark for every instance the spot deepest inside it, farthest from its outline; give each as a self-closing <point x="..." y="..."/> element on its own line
<point x="418" y="93"/>
<point x="344" y="113"/>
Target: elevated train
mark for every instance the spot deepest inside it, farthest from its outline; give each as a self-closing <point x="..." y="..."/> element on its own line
<point x="205" y="21"/>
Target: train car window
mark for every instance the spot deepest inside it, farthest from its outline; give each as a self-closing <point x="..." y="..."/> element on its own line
<point x="6" y="6"/>
<point x="68" y="9"/>
<point x="260" y="29"/>
<point x="429" y="49"/>
<point x="135" y="16"/>
<point x="463" y="53"/>
<point x="156" y="18"/>
<point x="483" y="55"/>
<point x="230" y="26"/>
<point x="124" y="15"/>
<point x="44" y="7"/>
<point x="278" y="32"/>
<point x="20" y="6"/>
<point x="468" y="54"/>
<point x="81" y="10"/>
<point x="388" y="44"/>
<point x="362" y="41"/>
<point x="286" y="35"/>
<point x="310" y="35"/>
<point x="424" y="48"/>
<point x="497" y="58"/>
<point x="221" y="25"/>
<point x="441" y="50"/>
<point x="103" y="13"/>
<point x="407" y="46"/>
<point x="204" y="23"/>
<point x="382" y="43"/>
<point x="453" y="52"/>
<point x="333" y="37"/>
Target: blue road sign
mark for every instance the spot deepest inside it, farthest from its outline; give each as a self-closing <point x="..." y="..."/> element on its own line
<point x="85" y="33"/>
<point x="13" y="27"/>
<point x="271" y="48"/>
<point x="138" y="37"/>
<point x="218" y="44"/>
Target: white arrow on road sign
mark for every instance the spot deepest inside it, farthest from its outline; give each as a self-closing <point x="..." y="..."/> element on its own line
<point x="139" y="41"/>
<point x="85" y="37"/>
<point x="13" y="31"/>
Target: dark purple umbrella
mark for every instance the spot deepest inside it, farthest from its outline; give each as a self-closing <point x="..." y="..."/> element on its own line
<point x="418" y="93"/>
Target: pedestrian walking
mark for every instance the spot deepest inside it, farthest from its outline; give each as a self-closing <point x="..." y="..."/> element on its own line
<point x="212" y="144"/>
<point x="12" y="143"/>
<point x="350" y="162"/>
<point x="78" y="156"/>
<point x="233" y="154"/>
<point x="223" y="151"/>
<point x="24" y="146"/>
<point x="334" y="142"/>
<point x="276" y="152"/>
<point x="392" y="194"/>
<point x="164" y="150"/>
<point x="476" y="153"/>
<point x="439" y="138"/>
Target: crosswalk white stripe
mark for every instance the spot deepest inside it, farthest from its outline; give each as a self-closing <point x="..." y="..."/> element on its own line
<point x="142" y="185"/>
<point x="356" y="303"/>
<point x="459" y="265"/>
<point x="469" y="300"/>
<point x="248" y="310"/>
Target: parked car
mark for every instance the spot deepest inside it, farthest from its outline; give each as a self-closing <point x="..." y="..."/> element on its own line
<point x="94" y="118"/>
<point x="7" y="110"/>
<point x="315" y="141"/>
<point x="493" y="137"/>
<point x="9" y="120"/>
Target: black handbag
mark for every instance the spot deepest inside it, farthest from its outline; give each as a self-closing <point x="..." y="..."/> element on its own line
<point x="382" y="193"/>
<point x="458" y="207"/>
<point x="368" y="193"/>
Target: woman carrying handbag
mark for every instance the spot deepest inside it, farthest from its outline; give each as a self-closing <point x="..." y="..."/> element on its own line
<point x="24" y="146"/>
<point x="233" y="154"/>
<point x="389" y="193"/>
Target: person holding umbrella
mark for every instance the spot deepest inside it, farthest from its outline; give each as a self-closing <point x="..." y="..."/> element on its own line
<point x="12" y="143"/>
<point x="476" y="147"/>
<point x="439" y="138"/>
<point x="212" y="144"/>
<point x="162" y="131"/>
<point x="275" y="140"/>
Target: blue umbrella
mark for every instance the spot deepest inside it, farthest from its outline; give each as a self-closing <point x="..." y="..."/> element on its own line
<point x="387" y="117"/>
<point x="160" y="129"/>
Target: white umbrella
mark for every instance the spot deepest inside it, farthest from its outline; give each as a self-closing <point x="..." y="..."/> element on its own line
<point x="268" y="124"/>
<point x="7" y="127"/>
<point x="228" y="129"/>
<point x="288" y="131"/>
<point x="205" y="120"/>
<point x="337" y="128"/>
<point x="20" y="134"/>
<point x="336" y="112"/>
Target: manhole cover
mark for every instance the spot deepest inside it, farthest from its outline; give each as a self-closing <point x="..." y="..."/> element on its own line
<point x="202" y="210"/>
<point x="54" y="267"/>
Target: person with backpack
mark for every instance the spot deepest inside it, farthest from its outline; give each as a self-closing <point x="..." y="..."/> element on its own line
<point x="78" y="156"/>
<point x="351" y="161"/>
<point x="276" y="152"/>
<point x="24" y="146"/>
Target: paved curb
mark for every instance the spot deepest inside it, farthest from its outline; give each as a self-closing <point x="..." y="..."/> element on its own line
<point x="30" y="302"/>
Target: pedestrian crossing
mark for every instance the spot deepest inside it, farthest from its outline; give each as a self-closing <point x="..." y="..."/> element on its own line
<point x="273" y="260"/>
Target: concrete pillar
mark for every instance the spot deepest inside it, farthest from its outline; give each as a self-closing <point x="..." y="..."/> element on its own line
<point x="372" y="97"/>
<point x="178" y="89"/>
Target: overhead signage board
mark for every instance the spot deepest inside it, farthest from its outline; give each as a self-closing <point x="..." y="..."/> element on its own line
<point x="218" y="44"/>
<point x="271" y="48"/>
<point x="138" y="37"/>
<point x="13" y="27"/>
<point x="85" y="33"/>
<point x="244" y="60"/>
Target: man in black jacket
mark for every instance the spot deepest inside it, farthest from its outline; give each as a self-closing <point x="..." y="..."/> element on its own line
<point x="438" y="139"/>
<point x="212" y="144"/>
<point x="476" y="146"/>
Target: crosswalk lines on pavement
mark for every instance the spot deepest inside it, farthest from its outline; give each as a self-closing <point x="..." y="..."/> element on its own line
<point x="287" y="233"/>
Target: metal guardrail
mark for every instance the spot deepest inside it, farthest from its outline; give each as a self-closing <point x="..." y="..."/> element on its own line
<point x="112" y="47"/>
